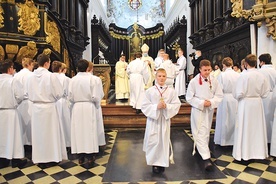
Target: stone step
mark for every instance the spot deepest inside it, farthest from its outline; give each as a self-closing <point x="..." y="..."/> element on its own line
<point x="123" y="115"/>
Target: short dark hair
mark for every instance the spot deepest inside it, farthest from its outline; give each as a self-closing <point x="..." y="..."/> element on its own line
<point x="204" y="62"/>
<point x="82" y="65"/>
<point x="56" y="66"/>
<point x="138" y="55"/>
<point x="227" y="61"/>
<point x="265" y="58"/>
<point x="5" y="65"/>
<point x="251" y="60"/>
<point x="42" y="59"/>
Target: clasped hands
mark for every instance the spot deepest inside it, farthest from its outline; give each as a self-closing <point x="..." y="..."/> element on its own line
<point x="161" y="105"/>
<point x="207" y="103"/>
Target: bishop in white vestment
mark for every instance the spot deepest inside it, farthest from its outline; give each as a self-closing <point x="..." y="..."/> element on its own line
<point x="150" y="65"/>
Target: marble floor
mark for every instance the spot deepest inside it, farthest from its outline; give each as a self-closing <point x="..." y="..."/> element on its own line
<point x="69" y="171"/>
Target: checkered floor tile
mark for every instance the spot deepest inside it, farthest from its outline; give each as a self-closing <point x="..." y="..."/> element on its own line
<point x="259" y="171"/>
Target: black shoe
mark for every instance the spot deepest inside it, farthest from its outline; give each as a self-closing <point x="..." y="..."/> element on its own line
<point x="162" y="169"/>
<point x="207" y="165"/>
<point x="4" y="163"/>
<point x="18" y="162"/>
<point x="138" y="111"/>
<point x="156" y="170"/>
<point x="81" y="160"/>
<point x="91" y="161"/>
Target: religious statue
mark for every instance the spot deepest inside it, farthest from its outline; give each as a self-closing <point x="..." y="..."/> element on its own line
<point x="29" y="51"/>
<point x="29" y="21"/>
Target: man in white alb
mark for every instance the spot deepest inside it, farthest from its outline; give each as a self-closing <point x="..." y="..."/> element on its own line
<point x="44" y="90"/>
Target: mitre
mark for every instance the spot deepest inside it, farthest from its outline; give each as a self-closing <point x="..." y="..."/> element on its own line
<point x="145" y="48"/>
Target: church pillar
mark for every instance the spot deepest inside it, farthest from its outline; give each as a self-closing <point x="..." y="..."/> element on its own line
<point x="64" y="12"/>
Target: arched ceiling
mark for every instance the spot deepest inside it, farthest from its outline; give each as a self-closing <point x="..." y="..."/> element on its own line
<point x="148" y="15"/>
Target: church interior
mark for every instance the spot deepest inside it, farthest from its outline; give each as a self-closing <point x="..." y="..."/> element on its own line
<point x="100" y="31"/>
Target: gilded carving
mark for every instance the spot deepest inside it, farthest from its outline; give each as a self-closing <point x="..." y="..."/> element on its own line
<point x="66" y="58"/>
<point x="47" y="51"/>
<point x="53" y="36"/>
<point x="11" y="50"/>
<point x="2" y="53"/>
<point x="271" y="27"/>
<point x="29" y="51"/>
<point x="1" y="17"/>
<point x="236" y="8"/>
<point x="262" y="11"/>
<point x="103" y="71"/>
<point x="29" y="21"/>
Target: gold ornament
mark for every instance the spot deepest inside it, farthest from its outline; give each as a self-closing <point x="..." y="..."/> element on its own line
<point x="29" y="21"/>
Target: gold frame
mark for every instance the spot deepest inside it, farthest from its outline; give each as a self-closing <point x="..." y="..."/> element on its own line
<point x="262" y="11"/>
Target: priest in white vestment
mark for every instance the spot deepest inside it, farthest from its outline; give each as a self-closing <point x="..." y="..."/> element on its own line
<point x="121" y="79"/>
<point x="204" y="95"/>
<point x="250" y="141"/>
<point x="150" y="64"/>
<point x="171" y="70"/>
<point x="160" y="104"/>
<point x="24" y="107"/>
<point x="180" y="81"/>
<point x="227" y="109"/>
<point x="138" y="78"/>
<point x="85" y="93"/>
<point x="11" y="141"/>
<point x="269" y="72"/>
<point x="44" y="90"/>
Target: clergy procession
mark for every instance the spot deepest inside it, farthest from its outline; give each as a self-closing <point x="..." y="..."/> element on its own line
<point x="54" y="114"/>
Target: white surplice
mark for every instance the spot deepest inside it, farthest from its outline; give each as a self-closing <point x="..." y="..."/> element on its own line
<point x="250" y="141"/>
<point x="171" y="70"/>
<point x="227" y="109"/>
<point x="48" y="143"/>
<point x="202" y="117"/>
<point x="63" y="107"/>
<point x="121" y="80"/>
<point x="85" y="93"/>
<point x="157" y="134"/>
<point x="180" y="81"/>
<point x="138" y="77"/>
<point x="270" y="73"/>
<point x="11" y="141"/>
<point x="273" y="137"/>
<point x="24" y="107"/>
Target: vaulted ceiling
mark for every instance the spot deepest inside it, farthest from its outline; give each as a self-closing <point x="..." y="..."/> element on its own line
<point x="124" y="14"/>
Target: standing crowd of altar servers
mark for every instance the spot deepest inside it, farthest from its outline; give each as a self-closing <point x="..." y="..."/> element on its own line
<point x="246" y="116"/>
<point x="50" y="111"/>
